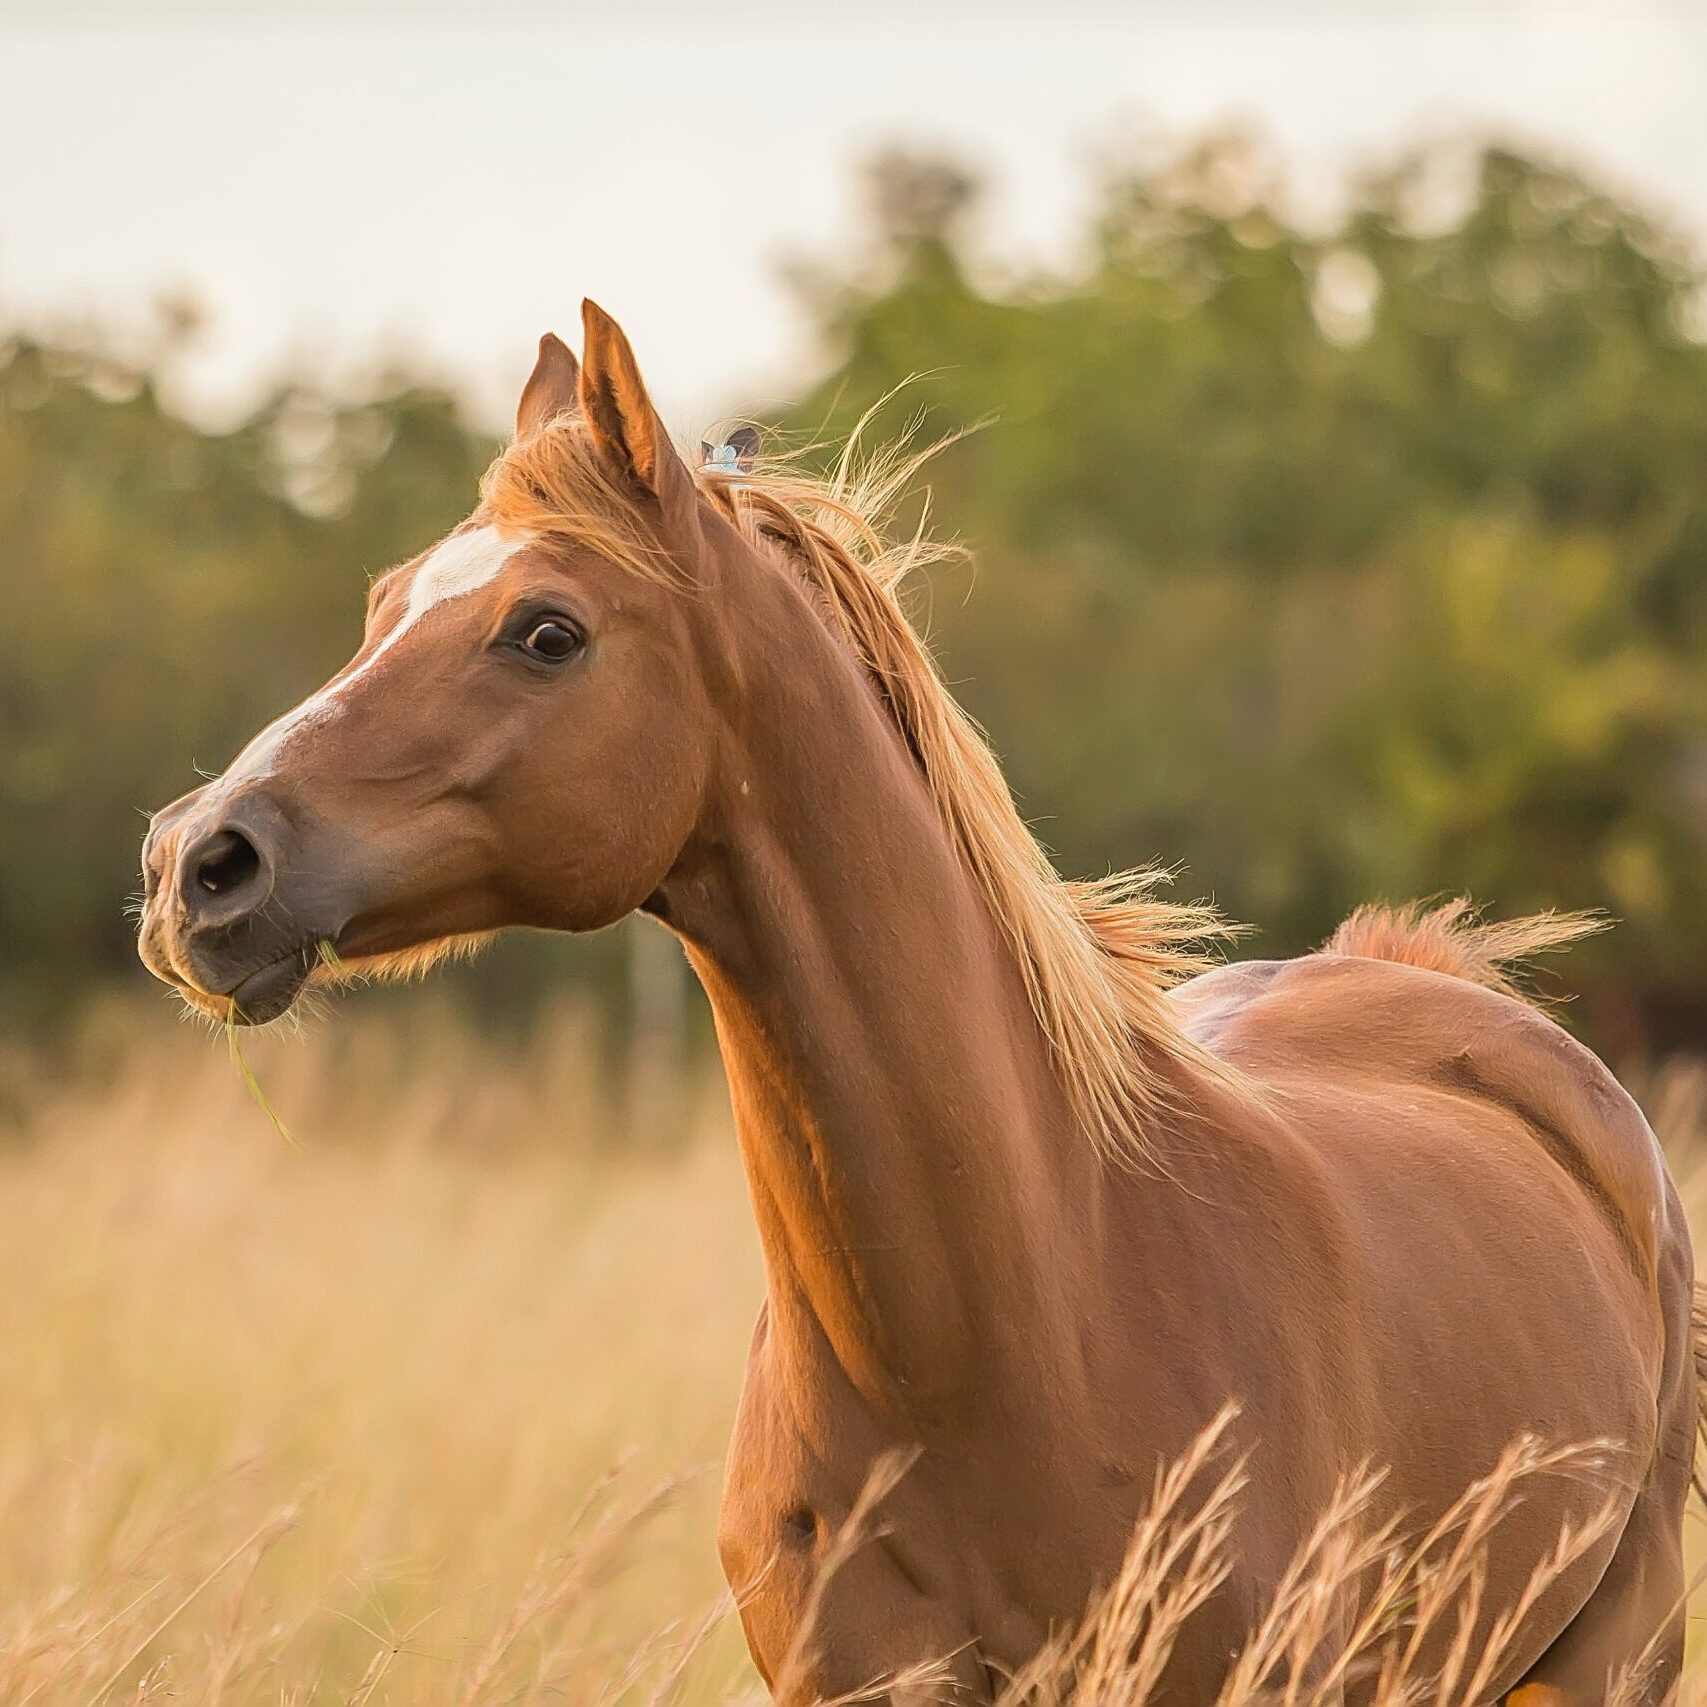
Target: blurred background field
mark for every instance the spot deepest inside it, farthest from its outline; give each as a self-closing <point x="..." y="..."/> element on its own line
<point x="1339" y="531"/>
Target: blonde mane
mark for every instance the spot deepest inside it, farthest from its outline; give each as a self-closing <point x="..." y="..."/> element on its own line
<point x="1097" y="957"/>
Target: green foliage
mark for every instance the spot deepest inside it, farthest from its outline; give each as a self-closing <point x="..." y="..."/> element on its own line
<point x="164" y="592"/>
<point x="1333" y="559"/>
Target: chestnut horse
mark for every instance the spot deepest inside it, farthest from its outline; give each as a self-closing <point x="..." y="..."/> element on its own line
<point x="1038" y="1193"/>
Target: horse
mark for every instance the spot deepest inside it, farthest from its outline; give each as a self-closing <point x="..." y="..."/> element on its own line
<point x="1040" y="1187"/>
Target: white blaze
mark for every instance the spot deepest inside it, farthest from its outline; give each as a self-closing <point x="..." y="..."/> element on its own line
<point x="462" y="564"/>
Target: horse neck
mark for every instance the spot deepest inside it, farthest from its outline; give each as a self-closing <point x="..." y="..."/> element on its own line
<point x="918" y="1183"/>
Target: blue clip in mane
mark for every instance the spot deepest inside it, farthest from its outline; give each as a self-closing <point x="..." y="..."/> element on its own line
<point x="735" y="455"/>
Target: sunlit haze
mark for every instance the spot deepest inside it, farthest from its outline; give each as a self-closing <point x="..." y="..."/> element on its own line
<point x="452" y="183"/>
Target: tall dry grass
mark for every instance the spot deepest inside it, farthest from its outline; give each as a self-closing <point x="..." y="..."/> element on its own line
<point x="431" y="1411"/>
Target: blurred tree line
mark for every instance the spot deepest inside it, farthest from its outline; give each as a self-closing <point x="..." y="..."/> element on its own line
<point x="1329" y="558"/>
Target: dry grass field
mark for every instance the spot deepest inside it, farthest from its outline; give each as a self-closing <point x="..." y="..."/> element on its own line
<point x="427" y="1412"/>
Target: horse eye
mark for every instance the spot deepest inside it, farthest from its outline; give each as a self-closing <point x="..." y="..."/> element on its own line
<point x="553" y="640"/>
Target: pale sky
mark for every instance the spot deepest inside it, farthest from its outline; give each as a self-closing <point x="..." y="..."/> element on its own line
<point x="340" y="180"/>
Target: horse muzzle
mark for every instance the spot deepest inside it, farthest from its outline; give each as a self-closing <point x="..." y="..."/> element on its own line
<point x="233" y="916"/>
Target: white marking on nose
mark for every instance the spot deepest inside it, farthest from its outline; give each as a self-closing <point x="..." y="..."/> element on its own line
<point x="461" y="564"/>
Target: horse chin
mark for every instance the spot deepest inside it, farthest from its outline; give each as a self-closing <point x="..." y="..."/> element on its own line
<point x="268" y="993"/>
<point x="257" y="998"/>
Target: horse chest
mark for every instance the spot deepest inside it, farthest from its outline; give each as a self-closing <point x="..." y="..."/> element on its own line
<point x="852" y="1549"/>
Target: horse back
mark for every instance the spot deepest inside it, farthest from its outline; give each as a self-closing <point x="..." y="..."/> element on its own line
<point x="1346" y="1050"/>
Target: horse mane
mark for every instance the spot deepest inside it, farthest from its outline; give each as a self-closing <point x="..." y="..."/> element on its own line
<point x="1097" y="957"/>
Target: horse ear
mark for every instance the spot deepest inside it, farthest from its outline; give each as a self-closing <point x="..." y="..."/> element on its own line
<point x="620" y="416"/>
<point x="553" y="388"/>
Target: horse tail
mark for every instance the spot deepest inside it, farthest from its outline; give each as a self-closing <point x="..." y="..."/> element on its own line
<point x="1452" y="938"/>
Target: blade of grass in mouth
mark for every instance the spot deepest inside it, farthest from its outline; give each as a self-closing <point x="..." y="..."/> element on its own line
<point x="254" y="1084"/>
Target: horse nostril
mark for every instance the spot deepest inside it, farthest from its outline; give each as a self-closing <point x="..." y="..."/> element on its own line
<point x="225" y="862"/>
